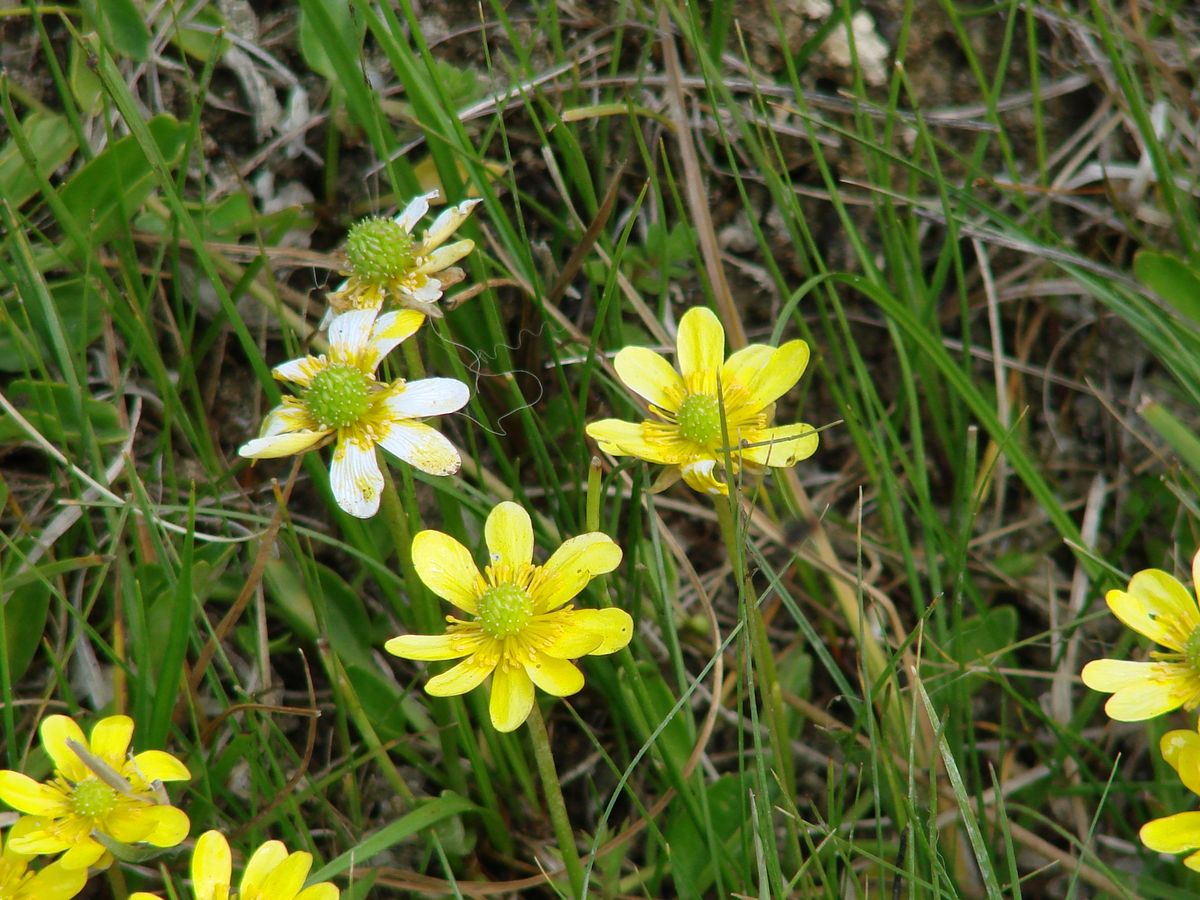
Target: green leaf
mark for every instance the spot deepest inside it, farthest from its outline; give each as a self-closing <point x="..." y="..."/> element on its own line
<point x="314" y="38"/>
<point x="983" y="638"/>
<point x="25" y="614"/>
<point x="49" y="408"/>
<point x="52" y="137"/>
<point x="691" y="854"/>
<point x="1182" y="439"/>
<point x="1172" y="279"/>
<point x="25" y="343"/>
<point x="85" y="85"/>
<point x="124" y="27"/>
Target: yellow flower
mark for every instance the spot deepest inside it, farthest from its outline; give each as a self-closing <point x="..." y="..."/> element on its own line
<point x="1180" y="832"/>
<point x="1159" y="607"/>
<point x="386" y="262"/>
<point x="521" y="633"/>
<point x="52" y="882"/>
<point x="341" y="398"/>
<point x="111" y="794"/>
<point x="271" y="874"/>
<point x="685" y="433"/>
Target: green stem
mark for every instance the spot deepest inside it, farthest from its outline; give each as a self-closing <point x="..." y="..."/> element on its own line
<point x="554" y="800"/>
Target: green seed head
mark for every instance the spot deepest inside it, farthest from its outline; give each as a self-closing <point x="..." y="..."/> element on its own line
<point x="1191" y="650"/>
<point x="504" y="610"/>
<point x="93" y="798"/>
<point x="700" y="419"/>
<point x="338" y="396"/>
<point x="379" y="250"/>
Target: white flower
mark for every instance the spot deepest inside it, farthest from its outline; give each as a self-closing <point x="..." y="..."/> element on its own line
<point x="340" y="397"/>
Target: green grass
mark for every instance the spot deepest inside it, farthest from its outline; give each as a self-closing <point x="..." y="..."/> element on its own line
<point x="958" y="245"/>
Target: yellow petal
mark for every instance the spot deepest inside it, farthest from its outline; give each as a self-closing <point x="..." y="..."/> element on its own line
<point x="300" y="371"/>
<point x="743" y="367"/>
<point x="212" y="866"/>
<point x="275" y="446"/>
<point x="55" y="732"/>
<point x="778" y="375"/>
<point x="322" y="891"/>
<point x="157" y="765"/>
<point x="509" y="535"/>
<point x="1110" y="675"/>
<point x="1139" y="702"/>
<point x="422" y="447"/>
<point x="613" y="626"/>
<point x="142" y="895"/>
<point x="466" y="676"/>
<point x="512" y="698"/>
<point x="781" y="447"/>
<point x="1173" y="834"/>
<point x="35" y="835"/>
<point x="701" y="346"/>
<point x="621" y="438"/>
<point x="571" y="567"/>
<point x="286" y="879"/>
<point x="447" y="569"/>
<point x="700" y="475"/>
<point x="130" y="823"/>
<point x="1157" y="606"/>
<point x="447" y="223"/>
<point x="444" y="257"/>
<point x="56" y="883"/>
<point x="1175" y="743"/>
<point x="24" y="794"/>
<point x="651" y="377"/>
<point x="554" y="676"/>
<point x="264" y="861"/>
<point x="110" y="740"/>
<point x="289" y="416"/>
<point x="170" y="825"/>
<point x="390" y="331"/>
<point x="85" y="854"/>
<point x="434" y="646"/>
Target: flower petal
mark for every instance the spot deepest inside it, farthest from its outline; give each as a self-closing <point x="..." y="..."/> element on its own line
<point x="171" y="826"/>
<point x="700" y="475"/>
<point x="554" y="676"/>
<point x="1157" y="606"/>
<point x="447" y="569"/>
<point x="621" y="438"/>
<point x="1109" y="675"/>
<point x="85" y="854"/>
<point x="508" y="533"/>
<point x="391" y="330"/>
<point x="781" y="447"/>
<point x="355" y="479"/>
<point x="614" y="628"/>
<point x="743" y="367"/>
<point x="778" y="374"/>
<point x="130" y="822"/>
<point x="415" y="211"/>
<point x="262" y="863"/>
<point x="157" y="765"/>
<point x="429" y="397"/>
<point x="289" y="416"/>
<point x="277" y="445"/>
<point x="1139" y="702"/>
<point x="422" y="447"/>
<point x="286" y="879"/>
<point x="56" y="883"/>
<point x="512" y="698"/>
<point x="300" y="371"/>
<point x="651" y="377"/>
<point x="350" y="339"/>
<point x="25" y="795"/>
<point x="465" y="676"/>
<point x="447" y="223"/>
<point x="110" y="740"/>
<point x="452" y="645"/>
<point x="444" y="257"/>
<point x="212" y="866"/>
<point x="701" y="348"/>
<point x="571" y="567"/>
<point x="1173" y="834"/>
<point x="55" y="731"/>
<point x="322" y="891"/>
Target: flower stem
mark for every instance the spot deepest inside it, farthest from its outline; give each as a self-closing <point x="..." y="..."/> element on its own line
<point x="554" y="800"/>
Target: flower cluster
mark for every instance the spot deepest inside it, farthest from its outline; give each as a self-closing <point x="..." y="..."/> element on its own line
<point x="339" y="398"/>
<point x="1157" y="606"/>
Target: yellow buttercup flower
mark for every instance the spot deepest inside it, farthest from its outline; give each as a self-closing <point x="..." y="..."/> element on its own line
<point x="520" y="632"/>
<point x="685" y="432"/>
<point x="341" y="398"/>
<point x="1158" y="606"/>
<point x="1181" y="832"/>
<point x="385" y="261"/>
<point x="271" y="874"/>
<point x="98" y="789"/>
<point x="52" y="882"/>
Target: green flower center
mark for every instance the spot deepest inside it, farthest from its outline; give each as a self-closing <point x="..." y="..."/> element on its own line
<point x="338" y="396"/>
<point x="1191" y="650"/>
<point x="505" y="610"/>
<point x="379" y="250"/>
<point x="699" y="419"/>
<point x="93" y="798"/>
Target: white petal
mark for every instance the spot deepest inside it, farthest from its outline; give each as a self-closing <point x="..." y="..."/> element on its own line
<point x="355" y="478"/>
<point x="447" y="223"/>
<point x="429" y="397"/>
<point x="391" y="330"/>
<point x="422" y="448"/>
<point x="277" y="445"/>
<point x="415" y="211"/>
<point x="285" y="419"/>
<point x="428" y="291"/>
<point x="350" y="333"/>
<point x="299" y="371"/>
<point x="446" y="256"/>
